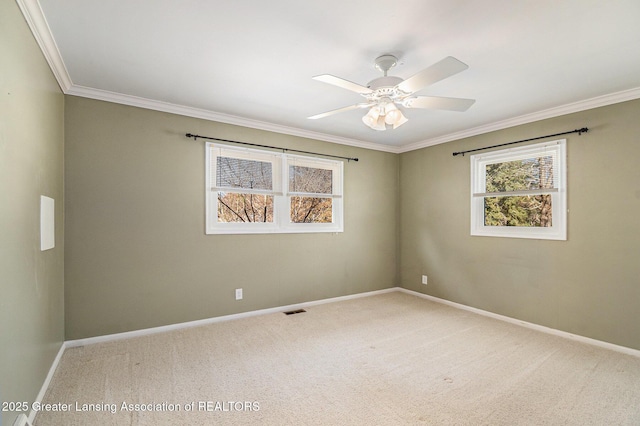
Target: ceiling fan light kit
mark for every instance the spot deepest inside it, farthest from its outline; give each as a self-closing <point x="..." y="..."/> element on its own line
<point x="384" y="113"/>
<point x="384" y="94"/>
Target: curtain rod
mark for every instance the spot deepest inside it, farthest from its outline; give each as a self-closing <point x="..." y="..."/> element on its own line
<point x="578" y="131"/>
<point x="195" y="137"/>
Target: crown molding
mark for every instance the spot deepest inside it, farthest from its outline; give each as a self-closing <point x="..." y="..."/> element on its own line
<point x="39" y="27"/>
<point x="34" y="16"/>
<point x="119" y="98"/>
<point x="599" y="101"/>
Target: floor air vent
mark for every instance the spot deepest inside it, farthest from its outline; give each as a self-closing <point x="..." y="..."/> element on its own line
<point x="297" y="311"/>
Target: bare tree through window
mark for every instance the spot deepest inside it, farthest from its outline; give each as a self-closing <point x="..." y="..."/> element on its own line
<point x="311" y="180"/>
<point x="244" y="206"/>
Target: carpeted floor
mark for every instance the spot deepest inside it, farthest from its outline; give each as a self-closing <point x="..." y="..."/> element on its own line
<point x="389" y="359"/>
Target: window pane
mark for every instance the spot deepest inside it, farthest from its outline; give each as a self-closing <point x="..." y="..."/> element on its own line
<point x="310" y="179"/>
<point x="238" y="207"/>
<point x="311" y="210"/>
<point x="530" y="173"/>
<point x="241" y="173"/>
<point x="529" y="211"/>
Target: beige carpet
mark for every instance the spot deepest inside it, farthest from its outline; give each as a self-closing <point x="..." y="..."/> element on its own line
<point x="389" y="359"/>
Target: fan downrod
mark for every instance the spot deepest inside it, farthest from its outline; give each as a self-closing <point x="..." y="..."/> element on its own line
<point x="385" y="62"/>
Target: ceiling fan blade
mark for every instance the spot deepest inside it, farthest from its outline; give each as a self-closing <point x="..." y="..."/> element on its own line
<point x="339" y="110"/>
<point x="341" y="82"/>
<point x="436" y="72"/>
<point x="434" y="102"/>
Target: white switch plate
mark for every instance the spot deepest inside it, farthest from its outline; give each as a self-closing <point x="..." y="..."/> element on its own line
<point x="238" y="294"/>
<point x="424" y="279"/>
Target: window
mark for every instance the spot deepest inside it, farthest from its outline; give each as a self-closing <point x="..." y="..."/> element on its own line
<point x="251" y="191"/>
<point x="520" y="192"/>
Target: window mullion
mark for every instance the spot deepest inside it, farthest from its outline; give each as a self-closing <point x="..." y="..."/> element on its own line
<point x="312" y="195"/>
<point x="283" y="200"/>
<point x="517" y="193"/>
<point x="245" y="190"/>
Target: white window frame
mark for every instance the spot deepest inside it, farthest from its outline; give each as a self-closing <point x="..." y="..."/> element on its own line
<point x="281" y="194"/>
<point x="337" y="205"/>
<point x="558" y="229"/>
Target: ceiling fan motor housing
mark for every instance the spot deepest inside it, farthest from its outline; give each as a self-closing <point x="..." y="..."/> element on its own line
<point x="385" y="87"/>
<point x="382" y="82"/>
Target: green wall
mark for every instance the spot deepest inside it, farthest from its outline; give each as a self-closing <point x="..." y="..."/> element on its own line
<point x="588" y="285"/>
<point x="137" y="256"/>
<point x="136" y="251"/>
<point x="31" y="165"/>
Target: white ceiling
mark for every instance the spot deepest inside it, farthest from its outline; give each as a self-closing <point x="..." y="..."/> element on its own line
<point x="250" y="62"/>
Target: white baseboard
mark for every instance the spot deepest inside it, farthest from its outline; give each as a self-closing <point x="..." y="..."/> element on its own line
<point x="183" y="325"/>
<point x="26" y="421"/>
<point x="548" y="330"/>
<point x="22" y="420"/>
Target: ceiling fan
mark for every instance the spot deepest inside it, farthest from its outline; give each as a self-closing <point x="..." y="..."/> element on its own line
<point x="384" y="94"/>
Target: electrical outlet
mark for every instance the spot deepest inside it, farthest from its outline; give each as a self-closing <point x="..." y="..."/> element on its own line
<point x="238" y="294"/>
<point x="424" y="279"/>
